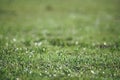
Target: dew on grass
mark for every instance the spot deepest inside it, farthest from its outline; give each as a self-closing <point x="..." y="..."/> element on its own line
<point x="26" y="69"/>
<point x="69" y="75"/>
<point x="76" y="42"/>
<point x="38" y="43"/>
<point x="103" y="72"/>
<point x="20" y="48"/>
<point x="30" y="72"/>
<point x="84" y="49"/>
<point x="50" y="75"/>
<point x="38" y="67"/>
<point x="105" y="43"/>
<point x="54" y="75"/>
<point x="40" y="74"/>
<point x="45" y="71"/>
<point x="31" y="53"/>
<point x="55" y="71"/>
<point x="75" y="74"/>
<point x="17" y="78"/>
<point x="60" y="67"/>
<point x="14" y="40"/>
<point x="44" y="49"/>
<point x="30" y="56"/>
<point x="16" y="49"/>
<point x="26" y="52"/>
<point x="92" y="72"/>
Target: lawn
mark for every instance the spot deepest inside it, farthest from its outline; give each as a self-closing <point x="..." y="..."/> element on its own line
<point x="59" y="40"/>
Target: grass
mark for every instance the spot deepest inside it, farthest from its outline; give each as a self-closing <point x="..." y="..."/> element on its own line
<point x="59" y="40"/>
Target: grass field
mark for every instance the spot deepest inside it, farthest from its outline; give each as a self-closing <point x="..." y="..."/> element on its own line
<point x="59" y="40"/>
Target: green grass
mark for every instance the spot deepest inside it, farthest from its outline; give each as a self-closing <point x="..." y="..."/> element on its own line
<point x="59" y="40"/>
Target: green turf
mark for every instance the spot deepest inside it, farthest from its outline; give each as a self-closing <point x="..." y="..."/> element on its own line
<point x="59" y="40"/>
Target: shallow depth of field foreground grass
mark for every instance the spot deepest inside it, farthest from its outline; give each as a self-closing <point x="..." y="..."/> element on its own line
<point x="59" y="40"/>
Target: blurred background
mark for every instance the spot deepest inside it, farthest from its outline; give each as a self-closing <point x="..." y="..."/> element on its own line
<point x="80" y="19"/>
